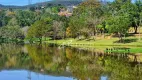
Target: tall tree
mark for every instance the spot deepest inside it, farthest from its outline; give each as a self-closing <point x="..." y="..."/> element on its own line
<point x="119" y="25"/>
<point x="25" y="18"/>
<point x="57" y="29"/>
<point x="39" y="29"/>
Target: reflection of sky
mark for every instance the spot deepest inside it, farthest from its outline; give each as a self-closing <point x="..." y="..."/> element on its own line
<point x="23" y="75"/>
<point x="104" y="78"/>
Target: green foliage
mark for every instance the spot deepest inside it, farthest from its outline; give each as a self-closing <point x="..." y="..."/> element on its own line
<point x="13" y="22"/>
<point x="11" y="32"/>
<point x="86" y="17"/>
<point x="76" y="24"/>
<point x="25" y="18"/>
<point x="39" y="29"/>
<point x="90" y="18"/>
<point x="119" y="24"/>
<point x="115" y="26"/>
<point x="58" y="31"/>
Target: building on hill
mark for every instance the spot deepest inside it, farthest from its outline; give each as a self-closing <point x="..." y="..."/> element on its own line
<point x="67" y="12"/>
<point x="70" y="8"/>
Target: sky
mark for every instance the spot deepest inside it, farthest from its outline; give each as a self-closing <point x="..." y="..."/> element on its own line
<point x="19" y="2"/>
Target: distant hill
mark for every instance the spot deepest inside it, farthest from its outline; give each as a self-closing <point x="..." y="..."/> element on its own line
<point x="51" y="3"/>
<point x="12" y="6"/>
<point x="67" y="2"/>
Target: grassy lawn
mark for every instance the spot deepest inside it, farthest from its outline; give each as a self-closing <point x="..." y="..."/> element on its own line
<point x="101" y="44"/>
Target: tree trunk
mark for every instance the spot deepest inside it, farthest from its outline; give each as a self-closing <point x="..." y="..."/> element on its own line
<point x="124" y="38"/>
<point x="103" y="33"/>
<point x="139" y="33"/>
<point x="140" y="29"/>
<point x="136" y="29"/>
<point x="95" y="32"/>
<point x="120" y="37"/>
<point x="54" y="35"/>
<point x="78" y="34"/>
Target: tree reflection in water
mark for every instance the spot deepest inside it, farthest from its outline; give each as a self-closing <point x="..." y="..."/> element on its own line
<point x="68" y="61"/>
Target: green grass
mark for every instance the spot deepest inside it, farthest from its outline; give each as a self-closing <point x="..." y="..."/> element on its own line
<point x="101" y="45"/>
<point x="101" y="42"/>
<point x="136" y="50"/>
<point x="133" y="50"/>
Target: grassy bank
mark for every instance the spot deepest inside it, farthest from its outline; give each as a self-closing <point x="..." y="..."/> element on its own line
<point x="101" y="44"/>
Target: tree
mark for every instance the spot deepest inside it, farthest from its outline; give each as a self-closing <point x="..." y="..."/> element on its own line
<point x="88" y="15"/>
<point x="57" y="29"/>
<point x="68" y="32"/>
<point x="137" y="17"/>
<point x="65" y="24"/>
<point x="39" y="29"/>
<point x="92" y="24"/>
<point x="118" y="24"/>
<point x="76" y="24"/>
<point x="25" y="18"/>
<point x="132" y="9"/>
<point x="2" y="14"/>
<point x="13" y="22"/>
<point x="140" y="26"/>
<point x="32" y="9"/>
<point x="11" y="32"/>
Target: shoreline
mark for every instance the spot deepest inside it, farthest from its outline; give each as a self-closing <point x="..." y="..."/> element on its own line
<point x="87" y="43"/>
<point x="135" y="47"/>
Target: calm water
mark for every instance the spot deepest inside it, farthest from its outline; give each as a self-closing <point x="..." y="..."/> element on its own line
<point x="48" y="62"/>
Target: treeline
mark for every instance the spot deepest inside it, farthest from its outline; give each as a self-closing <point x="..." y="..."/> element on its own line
<point x="14" y="23"/>
<point x="89" y="19"/>
<point x="93" y="17"/>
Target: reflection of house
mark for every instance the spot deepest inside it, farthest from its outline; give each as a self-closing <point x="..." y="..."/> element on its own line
<point x="67" y="12"/>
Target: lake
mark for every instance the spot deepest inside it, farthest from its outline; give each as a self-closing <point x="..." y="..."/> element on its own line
<point x="50" y="62"/>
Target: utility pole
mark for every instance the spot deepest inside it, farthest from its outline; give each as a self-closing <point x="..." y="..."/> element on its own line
<point x="105" y="1"/>
<point x="43" y="4"/>
<point x="29" y="3"/>
<point x="29" y="75"/>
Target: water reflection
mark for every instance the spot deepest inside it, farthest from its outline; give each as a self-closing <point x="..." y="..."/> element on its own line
<point x="67" y="63"/>
<point x="22" y="75"/>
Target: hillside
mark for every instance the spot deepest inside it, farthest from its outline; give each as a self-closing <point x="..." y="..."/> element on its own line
<point x="11" y="6"/>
